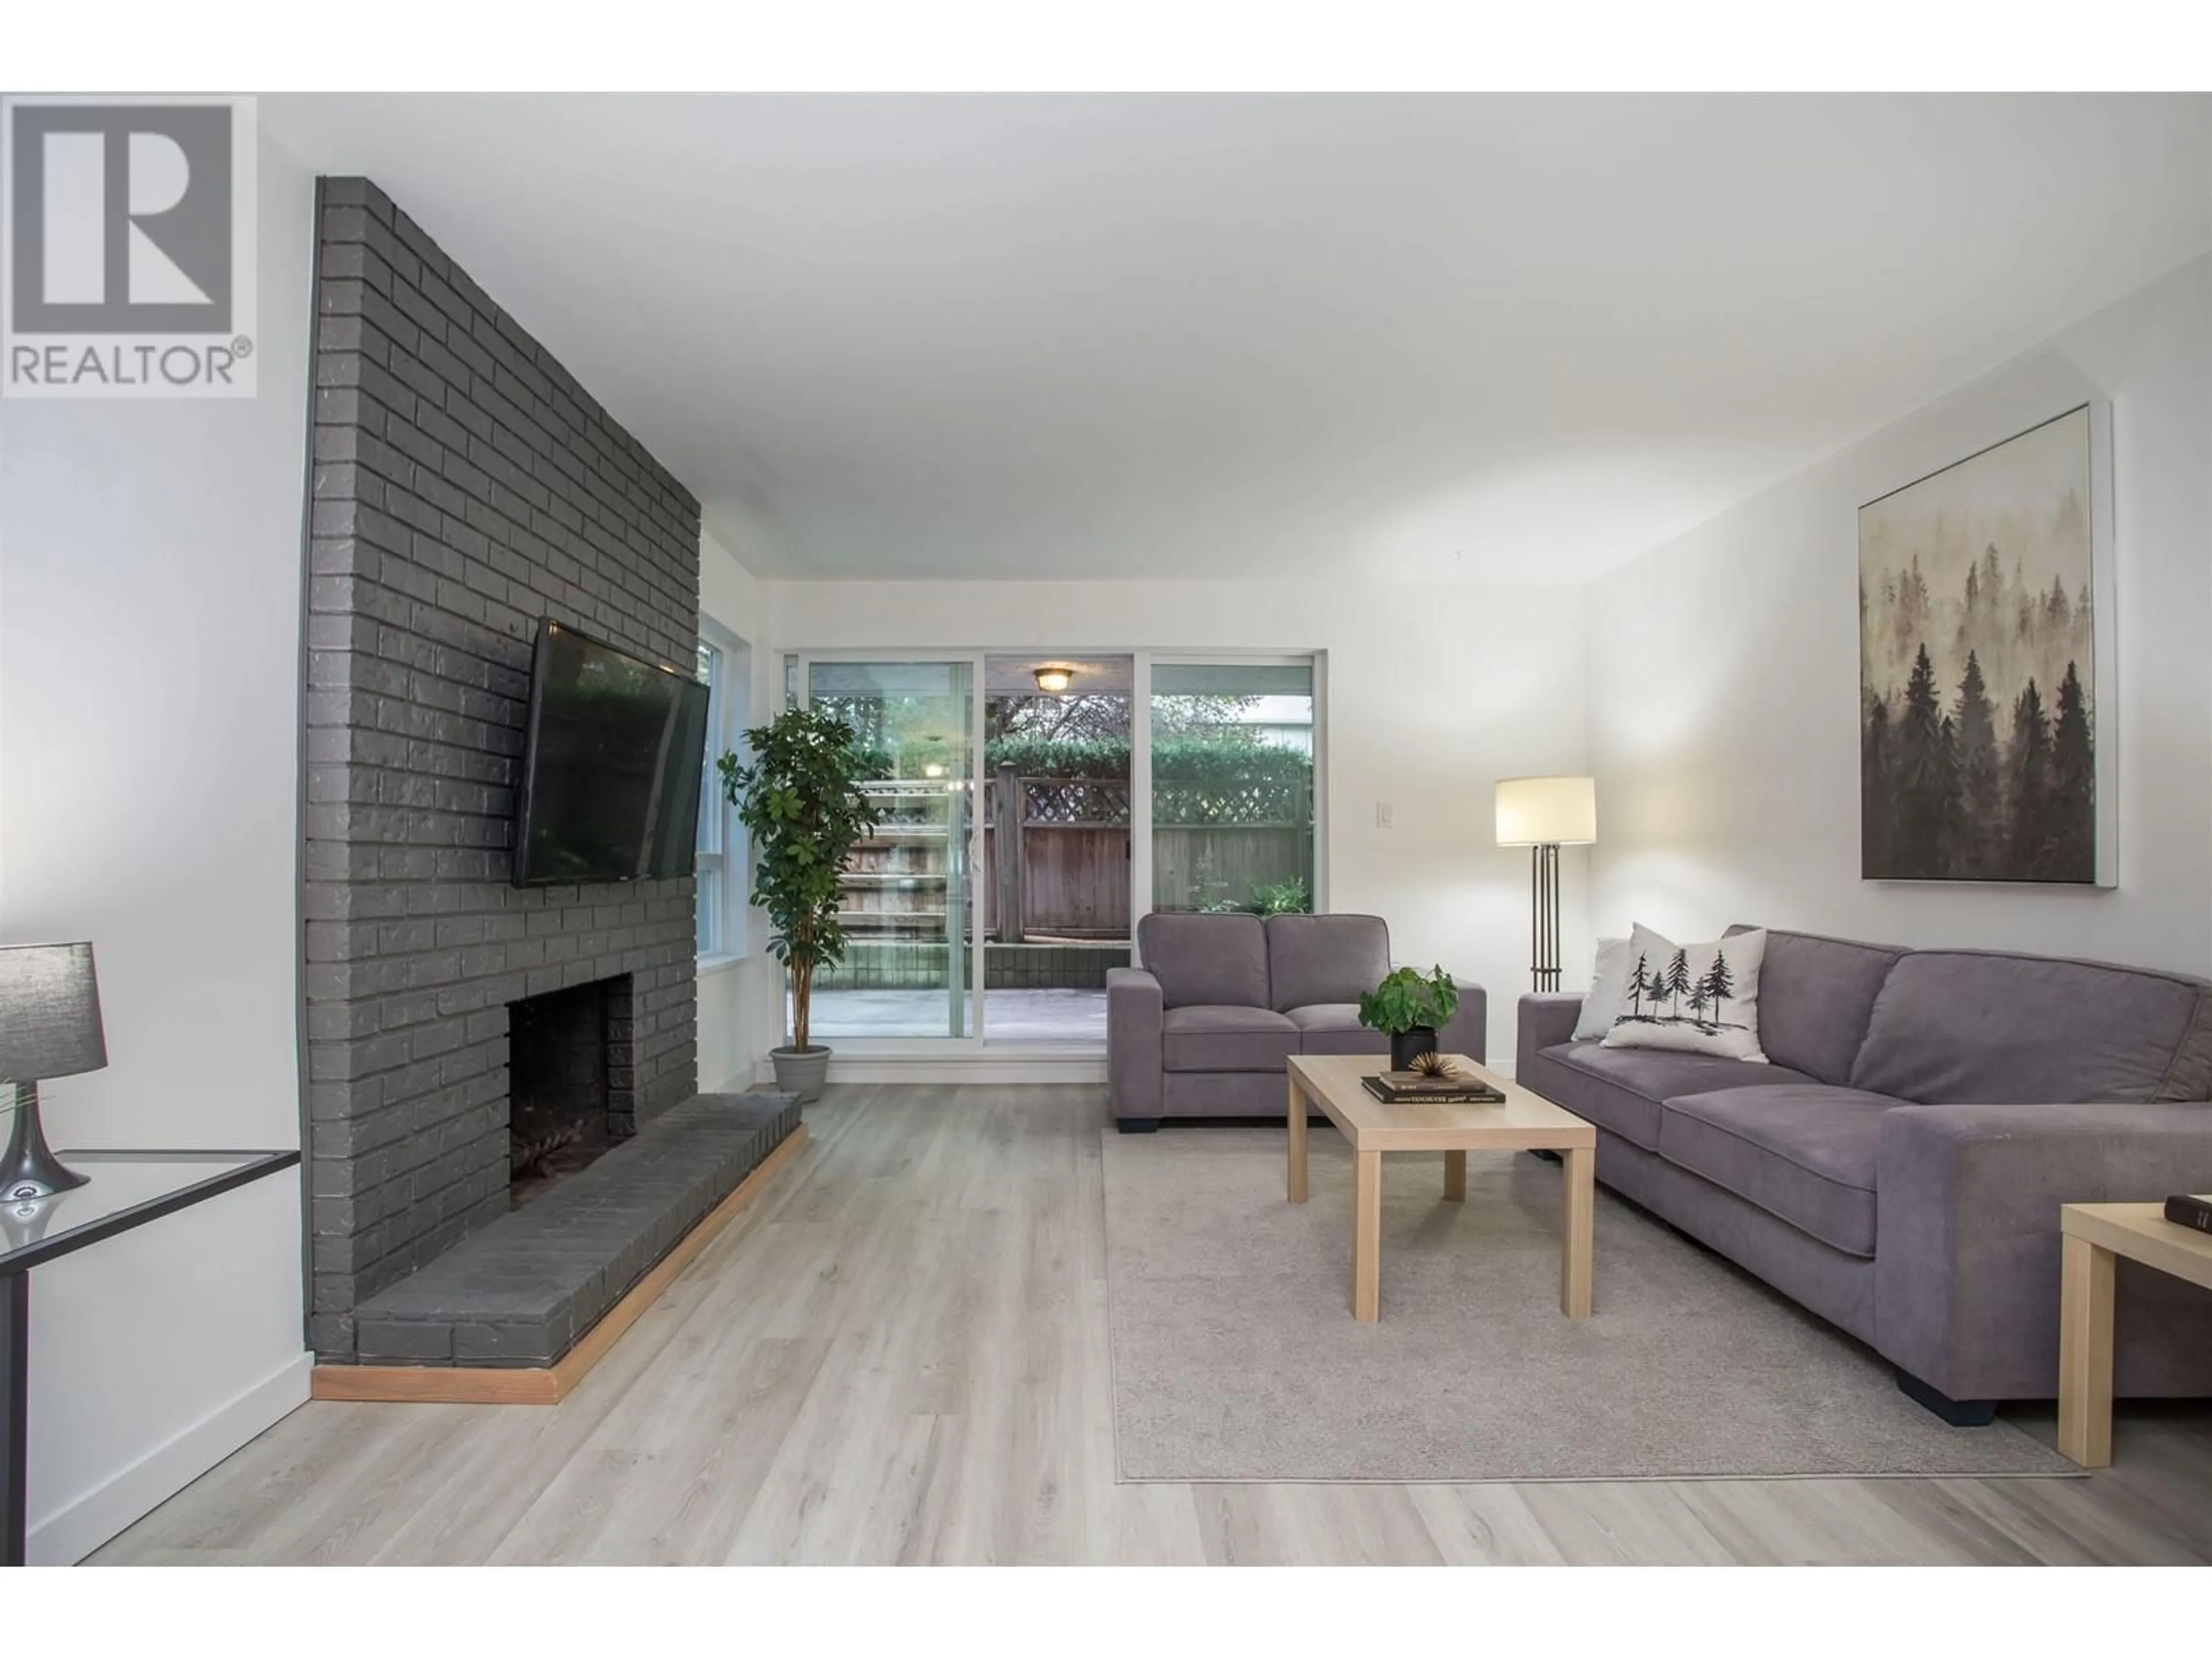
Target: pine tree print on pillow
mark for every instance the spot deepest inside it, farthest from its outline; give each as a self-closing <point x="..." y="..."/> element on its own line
<point x="1695" y="999"/>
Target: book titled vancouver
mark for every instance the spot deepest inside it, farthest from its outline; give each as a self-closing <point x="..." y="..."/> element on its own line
<point x="1396" y="1088"/>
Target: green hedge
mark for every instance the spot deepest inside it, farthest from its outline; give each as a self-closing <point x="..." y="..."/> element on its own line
<point x="1039" y="758"/>
<point x="1176" y="760"/>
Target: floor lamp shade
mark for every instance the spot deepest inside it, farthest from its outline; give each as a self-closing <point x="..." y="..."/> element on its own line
<point x="1543" y="814"/>
<point x="1535" y="811"/>
<point x="49" y="1027"/>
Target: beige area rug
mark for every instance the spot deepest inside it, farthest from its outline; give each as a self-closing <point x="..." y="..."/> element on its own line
<point x="1235" y="1356"/>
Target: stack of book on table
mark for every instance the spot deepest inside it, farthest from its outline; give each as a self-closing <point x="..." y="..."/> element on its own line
<point x="1458" y="1089"/>
<point x="2192" y="1209"/>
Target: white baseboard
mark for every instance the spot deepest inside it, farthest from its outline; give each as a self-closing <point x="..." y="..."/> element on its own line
<point x="1031" y="1067"/>
<point x="1034" y="1066"/>
<point x="79" y="1527"/>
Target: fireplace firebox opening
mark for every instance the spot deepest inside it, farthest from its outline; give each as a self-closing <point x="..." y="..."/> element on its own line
<point x="563" y="1109"/>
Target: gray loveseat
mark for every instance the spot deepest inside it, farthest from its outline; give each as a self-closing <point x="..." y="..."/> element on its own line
<point x="1203" y="1028"/>
<point x="1900" y="1167"/>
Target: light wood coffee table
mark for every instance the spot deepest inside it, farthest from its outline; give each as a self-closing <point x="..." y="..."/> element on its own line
<point x="1521" y="1122"/>
<point x="2093" y="1236"/>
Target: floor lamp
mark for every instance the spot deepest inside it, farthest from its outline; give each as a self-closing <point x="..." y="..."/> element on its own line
<point x="1543" y="814"/>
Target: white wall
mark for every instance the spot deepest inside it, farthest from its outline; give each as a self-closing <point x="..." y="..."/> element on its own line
<point x="1724" y="675"/>
<point x="740" y="1001"/>
<point x="1434" y="692"/>
<point x="149" y="664"/>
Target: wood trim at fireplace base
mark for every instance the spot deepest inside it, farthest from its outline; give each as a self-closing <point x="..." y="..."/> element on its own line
<point x="548" y="1385"/>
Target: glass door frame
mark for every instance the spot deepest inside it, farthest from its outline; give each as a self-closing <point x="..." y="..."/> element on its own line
<point x="1142" y="659"/>
<point x="963" y="873"/>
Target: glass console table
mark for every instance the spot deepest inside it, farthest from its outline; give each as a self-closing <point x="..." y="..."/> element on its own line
<point x="126" y="1190"/>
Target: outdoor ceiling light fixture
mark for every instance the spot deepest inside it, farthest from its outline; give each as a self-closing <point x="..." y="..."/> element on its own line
<point x="1053" y="680"/>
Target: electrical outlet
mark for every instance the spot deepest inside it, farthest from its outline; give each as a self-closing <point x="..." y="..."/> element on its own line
<point x="1382" y="815"/>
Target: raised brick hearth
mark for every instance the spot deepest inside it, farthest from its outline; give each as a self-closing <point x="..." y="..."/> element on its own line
<point x="463" y="487"/>
<point x="524" y="1291"/>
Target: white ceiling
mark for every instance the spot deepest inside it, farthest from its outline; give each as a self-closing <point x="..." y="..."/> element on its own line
<point x="1492" y="337"/>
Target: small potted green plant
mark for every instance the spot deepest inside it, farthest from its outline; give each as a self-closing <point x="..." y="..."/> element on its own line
<point x="1410" y="1006"/>
<point x="802" y="803"/>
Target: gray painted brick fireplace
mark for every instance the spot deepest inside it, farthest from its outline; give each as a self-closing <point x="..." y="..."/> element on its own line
<point x="464" y="486"/>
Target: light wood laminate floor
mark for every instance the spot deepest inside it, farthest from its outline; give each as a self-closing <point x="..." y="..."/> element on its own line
<point x="899" y="1354"/>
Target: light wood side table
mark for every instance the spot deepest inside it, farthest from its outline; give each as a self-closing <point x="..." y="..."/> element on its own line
<point x="2094" y="1236"/>
<point x="1522" y="1122"/>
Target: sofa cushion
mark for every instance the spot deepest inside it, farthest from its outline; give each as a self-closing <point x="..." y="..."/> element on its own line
<point x="1621" y="1089"/>
<point x="1805" y="1153"/>
<point x="1205" y="1037"/>
<point x="1319" y="959"/>
<point x="1333" y="1027"/>
<point x="1984" y="1028"/>
<point x="1218" y="960"/>
<point x="1815" y="997"/>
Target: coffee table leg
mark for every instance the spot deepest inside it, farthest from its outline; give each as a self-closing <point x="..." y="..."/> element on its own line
<point x="2085" y="1353"/>
<point x="1455" y="1177"/>
<point x="1367" y="1238"/>
<point x="1578" y="1212"/>
<point x="1297" y="1144"/>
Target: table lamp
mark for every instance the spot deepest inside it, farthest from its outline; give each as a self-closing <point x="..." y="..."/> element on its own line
<point x="49" y="1028"/>
<point x="1543" y="814"/>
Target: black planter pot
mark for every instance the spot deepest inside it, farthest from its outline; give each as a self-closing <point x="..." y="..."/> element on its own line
<point x="1409" y="1045"/>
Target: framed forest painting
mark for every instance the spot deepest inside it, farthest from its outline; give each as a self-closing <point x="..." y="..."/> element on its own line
<point x="1986" y="623"/>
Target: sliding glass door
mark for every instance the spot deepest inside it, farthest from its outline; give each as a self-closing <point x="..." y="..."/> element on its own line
<point x="1058" y="824"/>
<point x="1032" y="807"/>
<point x="909" y="898"/>
<point x="1232" y="786"/>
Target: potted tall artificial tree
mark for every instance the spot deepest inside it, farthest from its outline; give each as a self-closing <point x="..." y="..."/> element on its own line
<point x="801" y="801"/>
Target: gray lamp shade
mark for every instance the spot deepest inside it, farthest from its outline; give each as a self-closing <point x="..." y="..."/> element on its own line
<point x="49" y="1012"/>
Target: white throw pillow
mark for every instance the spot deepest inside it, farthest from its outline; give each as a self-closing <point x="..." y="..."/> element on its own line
<point x="1608" y="989"/>
<point x="1698" y="999"/>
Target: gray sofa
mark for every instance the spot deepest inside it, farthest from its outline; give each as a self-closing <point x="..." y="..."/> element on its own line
<point x="1899" y="1167"/>
<point x="1203" y="1028"/>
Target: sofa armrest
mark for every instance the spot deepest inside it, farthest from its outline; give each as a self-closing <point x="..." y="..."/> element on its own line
<point x="1966" y="1241"/>
<point x="1546" y="1018"/>
<point x="1467" y="1031"/>
<point x="1133" y="1054"/>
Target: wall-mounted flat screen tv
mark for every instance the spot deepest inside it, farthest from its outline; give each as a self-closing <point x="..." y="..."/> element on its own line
<point x="612" y="765"/>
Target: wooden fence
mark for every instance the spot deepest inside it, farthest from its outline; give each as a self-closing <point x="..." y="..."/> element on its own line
<point x="1068" y="873"/>
<point x="1056" y="853"/>
<point x="1198" y="865"/>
